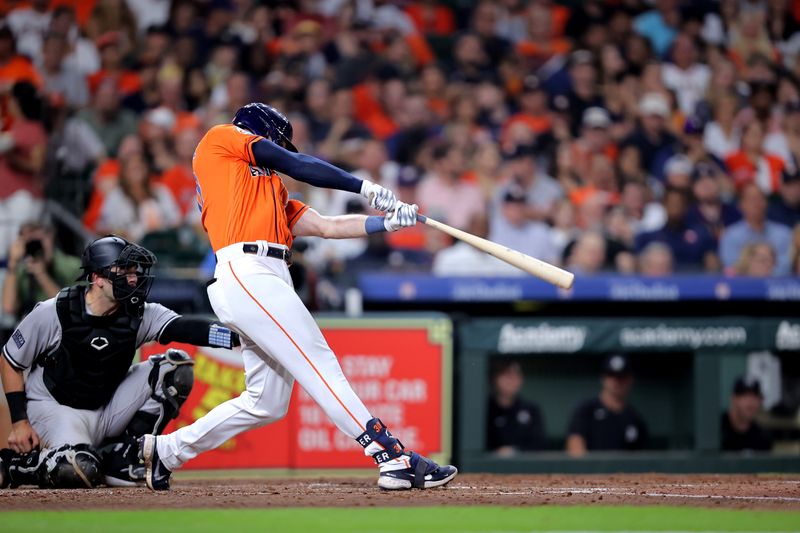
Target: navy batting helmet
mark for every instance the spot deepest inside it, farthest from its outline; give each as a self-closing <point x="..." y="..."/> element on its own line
<point x="115" y="259"/>
<point x="266" y="121"/>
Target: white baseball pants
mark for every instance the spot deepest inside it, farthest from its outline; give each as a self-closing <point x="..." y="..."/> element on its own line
<point x="281" y="343"/>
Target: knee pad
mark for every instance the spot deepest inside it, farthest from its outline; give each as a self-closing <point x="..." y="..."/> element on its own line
<point x="174" y="368"/>
<point x="71" y="466"/>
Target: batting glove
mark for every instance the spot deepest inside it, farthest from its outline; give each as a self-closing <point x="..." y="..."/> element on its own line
<point x="379" y="198"/>
<point x="403" y="216"/>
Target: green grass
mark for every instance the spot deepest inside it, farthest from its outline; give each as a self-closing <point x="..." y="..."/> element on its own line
<point x="403" y="520"/>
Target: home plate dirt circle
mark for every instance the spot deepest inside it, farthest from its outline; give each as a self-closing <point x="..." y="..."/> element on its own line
<point x="731" y="491"/>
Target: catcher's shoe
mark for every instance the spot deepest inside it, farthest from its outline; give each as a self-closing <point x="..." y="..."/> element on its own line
<point x="156" y="474"/>
<point x="422" y="474"/>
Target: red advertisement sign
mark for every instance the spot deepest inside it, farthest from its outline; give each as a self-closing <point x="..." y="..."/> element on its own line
<point x="400" y="368"/>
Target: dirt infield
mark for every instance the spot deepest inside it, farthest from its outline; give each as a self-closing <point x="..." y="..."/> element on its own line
<point x="739" y="491"/>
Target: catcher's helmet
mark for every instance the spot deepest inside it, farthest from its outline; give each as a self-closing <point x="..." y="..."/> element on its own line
<point x="266" y="121"/>
<point x="115" y="259"/>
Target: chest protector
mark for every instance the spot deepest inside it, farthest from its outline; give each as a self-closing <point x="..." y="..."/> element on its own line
<point x="94" y="355"/>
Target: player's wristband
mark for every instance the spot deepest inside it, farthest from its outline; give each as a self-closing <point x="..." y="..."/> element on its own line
<point x="374" y="224"/>
<point x="17" y="405"/>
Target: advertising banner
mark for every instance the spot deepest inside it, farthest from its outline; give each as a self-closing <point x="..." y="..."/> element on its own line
<point x="399" y="367"/>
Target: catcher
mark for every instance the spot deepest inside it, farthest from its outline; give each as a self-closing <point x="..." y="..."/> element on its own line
<point x="77" y="415"/>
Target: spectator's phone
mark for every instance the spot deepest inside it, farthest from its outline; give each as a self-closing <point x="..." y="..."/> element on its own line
<point x="34" y="248"/>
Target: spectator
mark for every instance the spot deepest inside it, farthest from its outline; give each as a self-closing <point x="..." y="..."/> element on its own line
<point x="659" y="25"/>
<point x="785" y="207"/>
<point x="107" y="118"/>
<point x="740" y="431"/>
<point x="15" y="67"/>
<point x="443" y="195"/>
<point x="722" y="136"/>
<point x="594" y="140"/>
<point x="533" y="113"/>
<point x="127" y="82"/>
<point x="541" y="190"/>
<point x="29" y="25"/>
<point x="709" y="209"/>
<point x="685" y="75"/>
<point x="584" y="92"/>
<point x="461" y="259"/>
<point x="588" y="255"/>
<point x="62" y="81"/>
<point x="643" y="215"/>
<point x="608" y="422"/>
<point x="136" y="206"/>
<point x="751" y="164"/>
<point x="757" y="260"/>
<point x="794" y="252"/>
<point x="753" y="228"/>
<point x="656" y="260"/>
<point x="82" y="55"/>
<point x="693" y="247"/>
<point x="484" y="23"/>
<point x="514" y="424"/>
<point x="37" y="269"/>
<point x="655" y="143"/>
<point x="513" y="229"/>
<point x="22" y="154"/>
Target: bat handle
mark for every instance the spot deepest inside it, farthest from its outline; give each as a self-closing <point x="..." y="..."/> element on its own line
<point x="421" y="218"/>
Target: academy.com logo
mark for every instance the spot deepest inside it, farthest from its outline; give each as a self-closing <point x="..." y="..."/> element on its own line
<point x="543" y="338"/>
<point x="663" y="336"/>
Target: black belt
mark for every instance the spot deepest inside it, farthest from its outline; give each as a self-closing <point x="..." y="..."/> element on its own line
<point x="283" y="254"/>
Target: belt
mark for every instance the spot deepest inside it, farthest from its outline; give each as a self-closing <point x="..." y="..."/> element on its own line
<point x="262" y="248"/>
<point x="284" y="254"/>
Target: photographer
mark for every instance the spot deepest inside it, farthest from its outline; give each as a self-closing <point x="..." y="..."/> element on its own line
<point x="36" y="269"/>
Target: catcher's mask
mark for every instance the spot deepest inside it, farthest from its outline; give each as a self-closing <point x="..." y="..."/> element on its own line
<point x="126" y="265"/>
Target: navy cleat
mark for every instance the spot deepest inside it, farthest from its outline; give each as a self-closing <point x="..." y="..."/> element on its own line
<point x="156" y="474"/>
<point x="422" y="474"/>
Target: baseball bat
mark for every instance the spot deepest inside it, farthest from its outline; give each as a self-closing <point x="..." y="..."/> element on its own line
<point x="531" y="265"/>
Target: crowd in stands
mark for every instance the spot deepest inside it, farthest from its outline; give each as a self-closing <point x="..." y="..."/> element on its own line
<point x="627" y="136"/>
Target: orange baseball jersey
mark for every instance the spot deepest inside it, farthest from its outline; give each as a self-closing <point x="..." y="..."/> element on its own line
<point x="240" y="201"/>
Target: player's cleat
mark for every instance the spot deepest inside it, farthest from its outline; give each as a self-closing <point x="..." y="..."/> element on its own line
<point x="156" y="474"/>
<point x="422" y="474"/>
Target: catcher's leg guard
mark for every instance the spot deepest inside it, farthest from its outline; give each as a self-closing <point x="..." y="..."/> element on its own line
<point x="70" y="467"/>
<point x="170" y="380"/>
<point x="176" y="374"/>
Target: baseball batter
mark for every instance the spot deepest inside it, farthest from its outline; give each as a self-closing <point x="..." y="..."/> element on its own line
<point x="251" y="224"/>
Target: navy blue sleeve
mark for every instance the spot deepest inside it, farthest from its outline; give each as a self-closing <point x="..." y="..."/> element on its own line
<point x="305" y="168"/>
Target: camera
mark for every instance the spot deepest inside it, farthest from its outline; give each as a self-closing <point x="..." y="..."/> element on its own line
<point x="34" y="248"/>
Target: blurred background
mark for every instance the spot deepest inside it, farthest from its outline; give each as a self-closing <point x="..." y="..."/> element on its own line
<point x="649" y="146"/>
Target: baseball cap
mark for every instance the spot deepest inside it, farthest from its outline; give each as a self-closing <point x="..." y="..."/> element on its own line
<point x="520" y="151"/>
<point x="616" y="365"/>
<point x="693" y="126"/>
<point x="581" y="57"/>
<point x="596" y="117"/>
<point x="654" y="104"/>
<point x="746" y="385"/>
<point x="790" y="177"/>
<point x="678" y="164"/>
<point x="514" y="193"/>
<point x="531" y="84"/>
